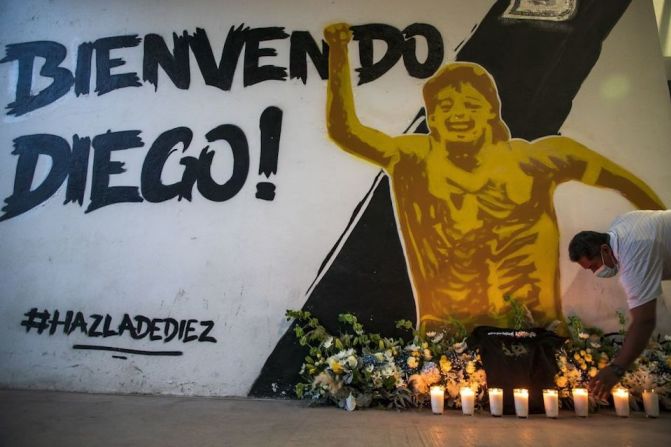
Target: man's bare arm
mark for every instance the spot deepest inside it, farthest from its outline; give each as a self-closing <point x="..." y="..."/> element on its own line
<point x="342" y="121"/>
<point x="643" y="320"/>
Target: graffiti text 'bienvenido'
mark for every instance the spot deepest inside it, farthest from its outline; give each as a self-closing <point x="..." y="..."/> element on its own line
<point x="70" y="161"/>
<point x="400" y="45"/>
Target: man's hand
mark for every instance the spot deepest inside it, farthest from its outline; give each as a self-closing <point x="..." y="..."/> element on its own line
<point x="337" y="34"/>
<point x="603" y="382"/>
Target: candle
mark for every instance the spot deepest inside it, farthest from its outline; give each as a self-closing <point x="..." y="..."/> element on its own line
<point x="651" y="403"/>
<point x="437" y="399"/>
<point x="621" y="400"/>
<point x="521" y="402"/>
<point x="496" y="401"/>
<point x="467" y="400"/>
<point x="551" y="402"/>
<point x="580" y="402"/>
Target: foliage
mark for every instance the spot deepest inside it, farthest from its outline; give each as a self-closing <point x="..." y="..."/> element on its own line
<point x="518" y="317"/>
<point x="588" y="350"/>
<point x="357" y="369"/>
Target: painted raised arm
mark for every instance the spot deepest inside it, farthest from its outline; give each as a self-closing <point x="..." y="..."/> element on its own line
<point x="342" y="121"/>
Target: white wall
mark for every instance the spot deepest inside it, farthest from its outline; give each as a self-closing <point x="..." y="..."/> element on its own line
<point x="242" y="262"/>
<point x="663" y="14"/>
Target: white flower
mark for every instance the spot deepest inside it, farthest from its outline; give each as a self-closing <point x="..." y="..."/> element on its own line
<point x="460" y="347"/>
<point x="583" y="335"/>
<point x="350" y="403"/>
<point x="351" y="361"/>
<point x="412" y="347"/>
<point x="328" y="342"/>
<point x="431" y="334"/>
<point x="438" y="337"/>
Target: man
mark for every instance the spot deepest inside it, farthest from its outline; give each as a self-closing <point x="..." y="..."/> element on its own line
<point x="638" y="247"/>
<point x="475" y="207"/>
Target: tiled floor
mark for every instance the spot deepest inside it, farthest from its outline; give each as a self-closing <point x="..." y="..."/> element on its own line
<point x="38" y="418"/>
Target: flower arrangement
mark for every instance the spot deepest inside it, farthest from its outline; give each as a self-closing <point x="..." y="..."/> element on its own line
<point x="356" y="369"/>
<point x="585" y="352"/>
<point x="588" y="349"/>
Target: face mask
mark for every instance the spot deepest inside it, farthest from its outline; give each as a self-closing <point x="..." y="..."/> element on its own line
<point x="604" y="271"/>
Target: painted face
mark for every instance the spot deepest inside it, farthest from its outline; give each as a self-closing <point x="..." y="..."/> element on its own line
<point x="461" y="116"/>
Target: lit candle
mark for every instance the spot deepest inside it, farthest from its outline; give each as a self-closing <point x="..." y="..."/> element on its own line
<point x="496" y="401"/>
<point x="580" y="402"/>
<point x="467" y="400"/>
<point x="651" y="403"/>
<point x="621" y="400"/>
<point x="521" y="402"/>
<point x="551" y="402"/>
<point x="437" y="399"/>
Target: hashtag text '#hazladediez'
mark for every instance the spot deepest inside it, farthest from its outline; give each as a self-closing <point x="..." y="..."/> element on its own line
<point x="137" y="327"/>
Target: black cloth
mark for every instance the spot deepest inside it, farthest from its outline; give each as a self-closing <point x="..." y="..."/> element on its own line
<point x="518" y="359"/>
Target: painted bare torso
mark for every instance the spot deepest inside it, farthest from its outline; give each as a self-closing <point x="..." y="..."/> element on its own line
<point x="474" y="236"/>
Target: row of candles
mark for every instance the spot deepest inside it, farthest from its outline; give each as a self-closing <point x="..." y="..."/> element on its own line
<point x="550" y="401"/>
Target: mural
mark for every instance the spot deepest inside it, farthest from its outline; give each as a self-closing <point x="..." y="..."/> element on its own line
<point x="172" y="185"/>
<point x="474" y="206"/>
<point x="481" y="223"/>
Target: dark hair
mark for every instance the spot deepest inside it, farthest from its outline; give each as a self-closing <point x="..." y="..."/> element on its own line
<point x="457" y="73"/>
<point x="587" y="244"/>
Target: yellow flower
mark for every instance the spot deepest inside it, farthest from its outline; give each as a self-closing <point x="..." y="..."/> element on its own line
<point x="582" y="352"/>
<point x="335" y="366"/>
<point x="427" y="354"/>
<point x="561" y="381"/>
<point x="593" y="371"/>
<point x="576" y="356"/>
<point x="445" y="365"/>
<point x="470" y="368"/>
<point x="588" y="358"/>
<point x="412" y="362"/>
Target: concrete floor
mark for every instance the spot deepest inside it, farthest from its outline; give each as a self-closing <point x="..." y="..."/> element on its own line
<point x="38" y="418"/>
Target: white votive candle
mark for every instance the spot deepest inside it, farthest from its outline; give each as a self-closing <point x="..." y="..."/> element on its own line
<point x="467" y="400"/>
<point x="580" y="402"/>
<point x="437" y="399"/>
<point x="551" y="402"/>
<point x="651" y="403"/>
<point x="496" y="401"/>
<point x="521" y="402"/>
<point x="621" y="400"/>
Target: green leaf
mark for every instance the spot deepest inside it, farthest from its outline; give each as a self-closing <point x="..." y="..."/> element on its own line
<point x="300" y="389"/>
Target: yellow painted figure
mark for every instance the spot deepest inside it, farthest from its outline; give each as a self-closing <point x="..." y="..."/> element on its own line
<point x="474" y="206"/>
